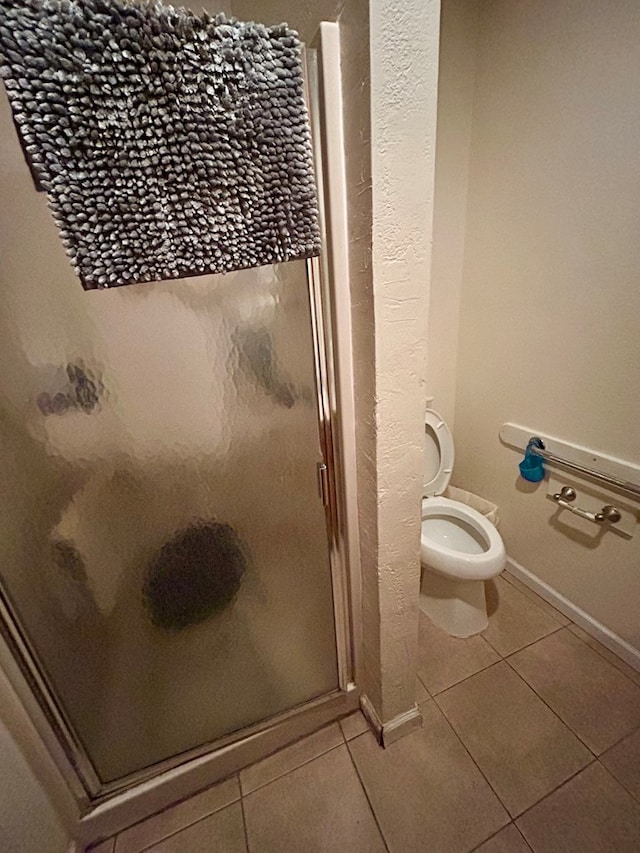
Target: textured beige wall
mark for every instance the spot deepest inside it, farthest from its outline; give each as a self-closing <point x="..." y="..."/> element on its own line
<point x="302" y="15"/>
<point x="550" y="322"/>
<point x="404" y="51"/>
<point x="456" y="87"/>
<point x="356" y="90"/>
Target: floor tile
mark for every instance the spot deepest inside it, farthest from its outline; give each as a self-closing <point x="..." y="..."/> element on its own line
<point x="222" y="832"/>
<point x="427" y="793"/>
<point x="591" y="813"/>
<point x="533" y="596"/>
<point x="354" y="725"/>
<point x="165" y="823"/>
<point x="623" y="760"/>
<point x="515" y="621"/>
<point x="592" y="697"/>
<point x="606" y="653"/>
<point x="290" y="757"/>
<point x="319" y="807"/>
<point x="523" y="749"/>
<point x="444" y="660"/>
<point x="508" y="840"/>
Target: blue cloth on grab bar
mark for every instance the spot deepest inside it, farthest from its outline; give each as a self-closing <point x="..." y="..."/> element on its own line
<point x="532" y="466"/>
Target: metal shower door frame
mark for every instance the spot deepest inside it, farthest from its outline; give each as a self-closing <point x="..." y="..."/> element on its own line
<point x="38" y="683"/>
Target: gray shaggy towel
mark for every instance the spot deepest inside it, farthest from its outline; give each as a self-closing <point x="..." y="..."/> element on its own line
<point x="169" y="144"/>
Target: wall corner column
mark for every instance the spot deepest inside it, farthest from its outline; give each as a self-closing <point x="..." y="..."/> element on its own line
<point x="404" y="44"/>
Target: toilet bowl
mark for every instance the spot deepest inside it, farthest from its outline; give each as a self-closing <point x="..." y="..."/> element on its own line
<point x="460" y="549"/>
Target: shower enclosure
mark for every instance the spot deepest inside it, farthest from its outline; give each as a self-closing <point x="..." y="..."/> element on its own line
<point x="170" y="573"/>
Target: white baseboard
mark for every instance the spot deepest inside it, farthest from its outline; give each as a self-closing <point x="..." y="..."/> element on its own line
<point x="388" y="733"/>
<point x="628" y="653"/>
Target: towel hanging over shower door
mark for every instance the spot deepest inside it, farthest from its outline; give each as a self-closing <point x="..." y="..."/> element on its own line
<point x="169" y="144"/>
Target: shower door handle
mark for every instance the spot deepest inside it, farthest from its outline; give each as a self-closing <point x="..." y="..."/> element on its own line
<point x="323" y="482"/>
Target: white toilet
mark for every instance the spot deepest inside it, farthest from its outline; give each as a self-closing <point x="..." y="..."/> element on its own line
<point x="460" y="549"/>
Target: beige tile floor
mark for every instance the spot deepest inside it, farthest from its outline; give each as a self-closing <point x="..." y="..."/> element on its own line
<point x="531" y="741"/>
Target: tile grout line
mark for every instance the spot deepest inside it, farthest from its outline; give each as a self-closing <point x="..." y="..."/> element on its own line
<point x="295" y="742"/>
<point x="526" y="645"/>
<point x="553" y="711"/>
<point x="174" y="805"/>
<point x="244" y="823"/>
<point x="500" y="655"/>
<point x="462" y="680"/>
<point x="534" y="598"/>
<point x="634" y="797"/>
<point x="567" y="627"/>
<point x="594" y="757"/>
<point x="521" y="834"/>
<point x="365" y="792"/>
<point x="584" y="642"/>
<point x="342" y="732"/>
<point x="596" y="649"/>
<point x="588" y="645"/>
<point x="429" y="694"/>
<point x="498" y="831"/>
<point x="186" y="826"/>
<point x="619" y="741"/>
<point x="494" y="649"/>
<point x="593" y="761"/>
<point x="477" y="766"/>
<point x="542" y="699"/>
<point x="291" y="770"/>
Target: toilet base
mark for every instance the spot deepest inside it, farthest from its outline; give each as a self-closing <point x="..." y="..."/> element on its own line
<point x="458" y="607"/>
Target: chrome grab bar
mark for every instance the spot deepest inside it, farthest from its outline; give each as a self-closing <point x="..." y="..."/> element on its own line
<point x="536" y="445"/>
<point x="607" y="515"/>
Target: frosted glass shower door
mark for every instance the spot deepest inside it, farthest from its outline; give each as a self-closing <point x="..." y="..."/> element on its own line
<point x="164" y="545"/>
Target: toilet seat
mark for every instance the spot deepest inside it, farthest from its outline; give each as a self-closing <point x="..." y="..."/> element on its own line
<point x="438" y="454"/>
<point x="448" y="559"/>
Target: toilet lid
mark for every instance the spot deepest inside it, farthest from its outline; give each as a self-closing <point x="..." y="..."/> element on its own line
<point x="438" y="454"/>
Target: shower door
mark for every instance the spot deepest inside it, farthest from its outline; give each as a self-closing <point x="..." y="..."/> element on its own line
<point x="164" y="551"/>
